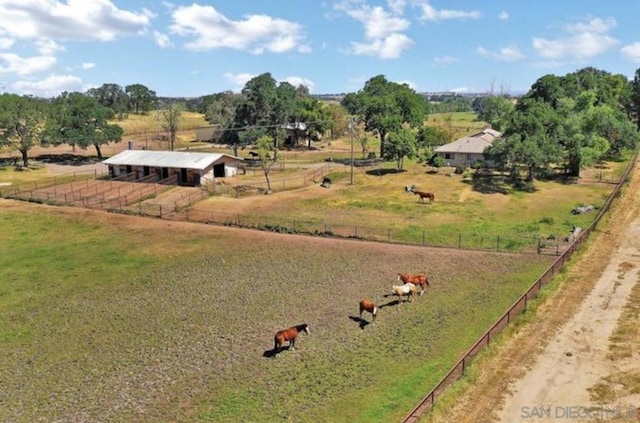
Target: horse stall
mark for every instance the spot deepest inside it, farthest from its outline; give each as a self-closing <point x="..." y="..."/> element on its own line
<point x="187" y="168"/>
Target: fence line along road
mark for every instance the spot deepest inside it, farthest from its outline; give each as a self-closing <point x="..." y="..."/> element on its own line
<point x="519" y="306"/>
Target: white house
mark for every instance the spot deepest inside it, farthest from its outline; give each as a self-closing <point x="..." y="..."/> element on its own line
<point x="467" y="150"/>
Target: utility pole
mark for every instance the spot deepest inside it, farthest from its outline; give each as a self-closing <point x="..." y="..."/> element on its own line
<point x="351" y="135"/>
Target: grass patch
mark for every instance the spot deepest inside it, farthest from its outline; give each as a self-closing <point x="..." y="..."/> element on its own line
<point x="131" y="319"/>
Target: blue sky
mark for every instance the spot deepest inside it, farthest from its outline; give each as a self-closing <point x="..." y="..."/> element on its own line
<point x="197" y="47"/>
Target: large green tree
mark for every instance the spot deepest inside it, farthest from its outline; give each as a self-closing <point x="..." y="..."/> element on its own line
<point x="386" y="106"/>
<point x="112" y="96"/>
<point x="400" y="144"/>
<point x="79" y="120"/>
<point x="141" y="99"/>
<point x="634" y="99"/>
<point x="530" y="139"/>
<point x="22" y="120"/>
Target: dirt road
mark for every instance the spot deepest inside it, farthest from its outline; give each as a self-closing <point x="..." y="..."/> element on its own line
<point x="559" y="367"/>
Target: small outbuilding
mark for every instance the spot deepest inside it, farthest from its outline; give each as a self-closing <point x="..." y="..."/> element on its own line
<point x="188" y="168"/>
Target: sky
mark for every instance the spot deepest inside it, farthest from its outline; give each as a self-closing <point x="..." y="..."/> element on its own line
<point x="192" y="48"/>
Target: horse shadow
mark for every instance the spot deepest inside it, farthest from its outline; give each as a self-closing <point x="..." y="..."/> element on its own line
<point x="362" y="322"/>
<point x="392" y="303"/>
<point x="273" y="352"/>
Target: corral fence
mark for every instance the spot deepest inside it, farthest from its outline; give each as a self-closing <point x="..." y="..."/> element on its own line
<point x="408" y="236"/>
<point x="282" y="184"/>
<point x="457" y="371"/>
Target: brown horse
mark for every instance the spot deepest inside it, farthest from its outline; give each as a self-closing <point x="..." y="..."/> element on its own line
<point x="366" y="305"/>
<point x="424" y="195"/>
<point x="288" y="335"/>
<point x="417" y="279"/>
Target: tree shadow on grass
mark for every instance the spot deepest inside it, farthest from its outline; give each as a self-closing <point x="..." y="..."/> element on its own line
<point x="382" y="172"/>
<point x="67" y="159"/>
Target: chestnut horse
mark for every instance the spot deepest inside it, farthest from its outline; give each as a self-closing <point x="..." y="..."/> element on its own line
<point x="366" y="305"/>
<point x="424" y="195"/>
<point x="288" y="335"/>
<point x="418" y="279"/>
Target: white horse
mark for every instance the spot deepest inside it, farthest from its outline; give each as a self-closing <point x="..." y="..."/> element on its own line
<point x="405" y="290"/>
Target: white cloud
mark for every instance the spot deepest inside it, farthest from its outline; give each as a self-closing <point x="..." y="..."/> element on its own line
<point x="239" y="79"/>
<point x="444" y="61"/>
<point x="584" y="41"/>
<point x="162" y="40"/>
<point x="631" y="52"/>
<point x="70" y="20"/>
<point x="430" y="13"/>
<point x="397" y="6"/>
<point x="296" y="81"/>
<point x="503" y="16"/>
<point x="48" y="47"/>
<point x="88" y="65"/>
<point x="376" y="21"/>
<point x="50" y="86"/>
<point x="409" y="84"/>
<point x="383" y="29"/>
<point x="597" y="25"/>
<point x="507" y="54"/>
<point x="11" y="63"/>
<point x="6" y="43"/>
<point x="210" y="30"/>
<point x="388" y="48"/>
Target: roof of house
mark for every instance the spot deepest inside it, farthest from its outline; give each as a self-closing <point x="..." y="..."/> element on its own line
<point x="174" y="159"/>
<point x="475" y="143"/>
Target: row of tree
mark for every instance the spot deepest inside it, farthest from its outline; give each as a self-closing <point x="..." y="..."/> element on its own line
<point x="567" y="122"/>
<point x="78" y="119"/>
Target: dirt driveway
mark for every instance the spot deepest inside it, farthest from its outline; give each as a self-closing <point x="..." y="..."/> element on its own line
<point x="562" y="366"/>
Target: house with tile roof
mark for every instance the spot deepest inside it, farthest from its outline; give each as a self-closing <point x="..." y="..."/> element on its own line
<point x="467" y="150"/>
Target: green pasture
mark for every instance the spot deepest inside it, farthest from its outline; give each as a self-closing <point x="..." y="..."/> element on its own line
<point x="378" y="205"/>
<point x="116" y="318"/>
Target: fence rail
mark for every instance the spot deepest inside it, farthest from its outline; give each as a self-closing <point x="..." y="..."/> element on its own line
<point x="519" y="306"/>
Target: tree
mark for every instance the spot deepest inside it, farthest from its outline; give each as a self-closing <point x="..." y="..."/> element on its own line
<point x="21" y="123"/>
<point x="79" y="120"/>
<point x="496" y="111"/>
<point x="634" y="99"/>
<point x="268" y="154"/>
<point x="255" y="114"/>
<point x="113" y="97"/>
<point x="141" y="98"/>
<point x="171" y="122"/>
<point x="385" y="106"/>
<point x="400" y="144"/>
<point x="530" y="139"/>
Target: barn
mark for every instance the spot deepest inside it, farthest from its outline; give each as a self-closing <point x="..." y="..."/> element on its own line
<point x="187" y="168"/>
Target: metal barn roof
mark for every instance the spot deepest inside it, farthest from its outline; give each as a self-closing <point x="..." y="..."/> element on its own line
<point x="174" y="159"/>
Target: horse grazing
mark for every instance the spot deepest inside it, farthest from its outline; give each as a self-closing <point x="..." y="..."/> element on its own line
<point x="366" y="305"/>
<point x="288" y="335"/>
<point x="406" y="290"/>
<point x="424" y="195"/>
<point x="417" y="279"/>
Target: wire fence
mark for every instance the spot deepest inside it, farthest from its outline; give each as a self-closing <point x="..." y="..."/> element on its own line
<point x="457" y="371"/>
